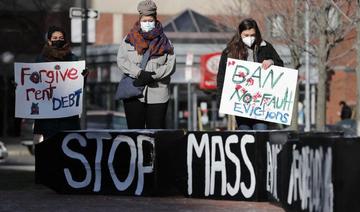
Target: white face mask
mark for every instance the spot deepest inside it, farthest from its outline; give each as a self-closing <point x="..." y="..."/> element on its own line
<point x="147" y="26"/>
<point x="249" y="41"/>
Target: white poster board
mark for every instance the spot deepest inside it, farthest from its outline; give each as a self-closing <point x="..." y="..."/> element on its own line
<point x="48" y="90"/>
<point x="252" y="92"/>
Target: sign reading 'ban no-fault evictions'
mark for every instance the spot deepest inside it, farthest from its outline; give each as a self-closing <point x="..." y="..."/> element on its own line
<point x="252" y="92"/>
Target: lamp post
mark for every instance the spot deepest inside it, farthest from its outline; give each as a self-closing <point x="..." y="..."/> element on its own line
<point x="6" y="58"/>
<point x="307" y="70"/>
<point x="84" y="33"/>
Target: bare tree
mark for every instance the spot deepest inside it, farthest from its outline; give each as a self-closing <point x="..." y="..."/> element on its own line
<point x="327" y="30"/>
<point x="289" y="32"/>
<point x="295" y="51"/>
<point x="354" y="19"/>
<point x="358" y="68"/>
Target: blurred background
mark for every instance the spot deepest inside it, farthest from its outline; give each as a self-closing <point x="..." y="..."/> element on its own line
<point x="199" y="31"/>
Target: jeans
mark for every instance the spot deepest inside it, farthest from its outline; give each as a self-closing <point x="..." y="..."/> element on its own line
<point x="258" y="126"/>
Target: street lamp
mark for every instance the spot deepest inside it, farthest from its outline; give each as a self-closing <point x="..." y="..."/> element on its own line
<point x="6" y="58"/>
<point x="307" y="70"/>
<point x="84" y="32"/>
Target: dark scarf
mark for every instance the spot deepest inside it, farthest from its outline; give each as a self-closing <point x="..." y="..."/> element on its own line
<point x="51" y="53"/>
<point x="155" y="40"/>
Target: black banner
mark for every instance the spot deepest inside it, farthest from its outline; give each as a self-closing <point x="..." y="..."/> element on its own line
<point x="303" y="172"/>
<point x="107" y="162"/>
<point x="313" y="172"/>
<point x="226" y="165"/>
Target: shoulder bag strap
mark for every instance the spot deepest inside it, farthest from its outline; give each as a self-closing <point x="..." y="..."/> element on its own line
<point x="145" y="59"/>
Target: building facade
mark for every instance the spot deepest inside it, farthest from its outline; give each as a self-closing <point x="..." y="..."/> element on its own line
<point x="196" y="28"/>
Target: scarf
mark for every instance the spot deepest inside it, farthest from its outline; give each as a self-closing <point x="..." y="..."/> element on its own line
<point x="155" y="40"/>
<point x="51" y="53"/>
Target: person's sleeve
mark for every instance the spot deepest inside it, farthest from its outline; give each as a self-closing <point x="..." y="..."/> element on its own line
<point x="38" y="59"/>
<point x="167" y="69"/>
<point x="221" y="76"/>
<point x="275" y="56"/>
<point x="124" y="63"/>
<point x="74" y="57"/>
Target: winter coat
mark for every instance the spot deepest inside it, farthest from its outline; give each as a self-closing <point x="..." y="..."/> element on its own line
<point x="345" y="112"/>
<point x="265" y="52"/>
<point x="129" y="61"/>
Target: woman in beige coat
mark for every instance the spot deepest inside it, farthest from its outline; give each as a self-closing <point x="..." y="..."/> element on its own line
<point x="148" y="111"/>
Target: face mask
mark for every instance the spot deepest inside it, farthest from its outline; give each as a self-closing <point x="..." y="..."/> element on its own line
<point x="58" y="43"/>
<point x="249" y="41"/>
<point x="147" y="26"/>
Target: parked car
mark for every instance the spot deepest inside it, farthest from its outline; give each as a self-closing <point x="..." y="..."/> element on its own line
<point x="3" y="152"/>
<point x="105" y="119"/>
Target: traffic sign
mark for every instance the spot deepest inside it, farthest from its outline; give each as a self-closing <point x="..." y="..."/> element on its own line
<point x="78" y="12"/>
<point x="76" y="30"/>
<point x="189" y="59"/>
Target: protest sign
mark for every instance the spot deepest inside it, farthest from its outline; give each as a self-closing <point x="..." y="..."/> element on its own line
<point x="48" y="90"/>
<point x="252" y="92"/>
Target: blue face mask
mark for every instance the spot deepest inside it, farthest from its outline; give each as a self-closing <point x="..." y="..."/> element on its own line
<point x="147" y="26"/>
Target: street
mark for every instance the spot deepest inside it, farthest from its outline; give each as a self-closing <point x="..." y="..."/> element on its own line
<point x="19" y="193"/>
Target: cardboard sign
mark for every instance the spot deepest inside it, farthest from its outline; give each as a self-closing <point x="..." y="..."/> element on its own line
<point x="252" y="92"/>
<point x="48" y="90"/>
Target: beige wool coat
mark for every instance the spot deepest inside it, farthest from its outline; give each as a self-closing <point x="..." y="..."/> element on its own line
<point x="129" y="60"/>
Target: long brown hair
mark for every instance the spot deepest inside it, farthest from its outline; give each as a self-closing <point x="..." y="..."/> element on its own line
<point x="236" y="47"/>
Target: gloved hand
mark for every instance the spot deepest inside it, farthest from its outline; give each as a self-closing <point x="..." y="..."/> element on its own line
<point x="13" y="83"/>
<point x="85" y="72"/>
<point x="144" y="78"/>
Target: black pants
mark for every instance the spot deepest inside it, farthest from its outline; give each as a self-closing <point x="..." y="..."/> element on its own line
<point x="49" y="127"/>
<point x="141" y="115"/>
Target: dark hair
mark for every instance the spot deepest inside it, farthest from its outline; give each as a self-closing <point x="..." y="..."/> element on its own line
<point x="342" y="103"/>
<point x="236" y="47"/>
<point x="53" y="29"/>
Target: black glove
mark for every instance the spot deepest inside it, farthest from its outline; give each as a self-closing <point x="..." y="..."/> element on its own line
<point x="85" y="72"/>
<point x="13" y="83"/>
<point x="144" y="78"/>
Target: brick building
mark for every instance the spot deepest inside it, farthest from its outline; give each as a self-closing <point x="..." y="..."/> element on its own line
<point x="117" y="18"/>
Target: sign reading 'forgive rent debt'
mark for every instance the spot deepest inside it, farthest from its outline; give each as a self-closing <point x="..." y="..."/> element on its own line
<point x="48" y="90"/>
<point x="252" y="92"/>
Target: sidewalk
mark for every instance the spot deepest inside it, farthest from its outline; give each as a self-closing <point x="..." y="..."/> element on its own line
<point x="19" y="193"/>
<point x="17" y="153"/>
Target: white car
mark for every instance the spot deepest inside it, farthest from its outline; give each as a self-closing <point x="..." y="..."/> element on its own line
<point x="3" y="152"/>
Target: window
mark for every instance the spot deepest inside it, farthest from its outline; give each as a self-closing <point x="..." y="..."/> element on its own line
<point x="333" y="19"/>
<point x="277" y="26"/>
